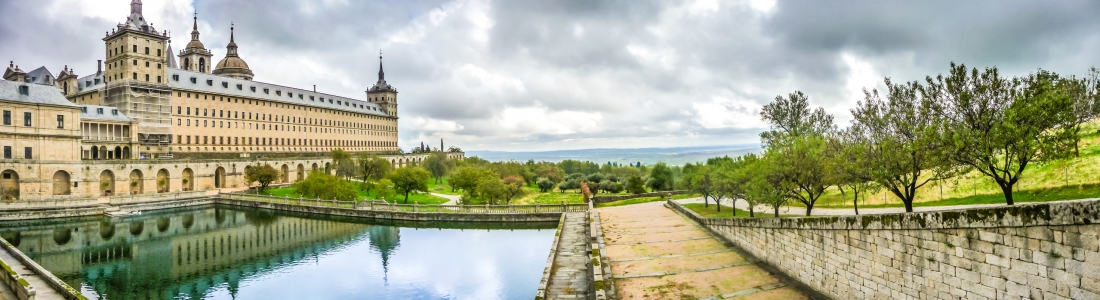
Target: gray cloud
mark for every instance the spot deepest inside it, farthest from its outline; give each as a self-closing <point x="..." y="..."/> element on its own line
<point x="529" y="74"/>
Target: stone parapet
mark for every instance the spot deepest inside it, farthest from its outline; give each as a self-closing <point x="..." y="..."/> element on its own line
<point x="605" y="199"/>
<point x="1027" y="251"/>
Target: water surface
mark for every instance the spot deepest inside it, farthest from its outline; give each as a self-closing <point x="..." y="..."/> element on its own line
<point x="224" y="252"/>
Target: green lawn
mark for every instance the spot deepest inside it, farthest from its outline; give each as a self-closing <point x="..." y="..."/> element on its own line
<point x="422" y="199"/>
<point x="1071" y="192"/>
<point x="727" y="212"/>
<point x="443" y="187"/>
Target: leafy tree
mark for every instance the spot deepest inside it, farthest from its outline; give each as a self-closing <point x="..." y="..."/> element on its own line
<point x="438" y="164"/>
<point x="324" y="186"/>
<point x="385" y="188"/>
<point x="571" y="184"/>
<point x="852" y="165"/>
<point x="410" y="180"/>
<point x="611" y="187"/>
<point x="550" y="172"/>
<point x="764" y="185"/>
<point x="635" y="185"/>
<point x="373" y="169"/>
<point x="806" y="166"/>
<point x="343" y="164"/>
<point x="491" y="189"/>
<point x="700" y="179"/>
<point x="466" y="178"/>
<point x="894" y="142"/>
<point x="545" y="184"/>
<point x="513" y="187"/>
<point x="660" y="178"/>
<point x="998" y="125"/>
<point x="791" y="116"/>
<point x="263" y="174"/>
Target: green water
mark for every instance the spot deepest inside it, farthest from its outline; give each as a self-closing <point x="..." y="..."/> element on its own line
<point x="224" y="252"/>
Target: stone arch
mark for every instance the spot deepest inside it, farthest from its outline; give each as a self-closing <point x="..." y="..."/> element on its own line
<point x="126" y="152"/>
<point x="328" y="168"/>
<point x="188" y="179"/>
<point x="314" y="167"/>
<point x="284" y="174"/>
<point x="301" y="173"/>
<point x="136" y="227"/>
<point x="9" y="185"/>
<point x="118" y="152"/>
<point x="137" y="182"/>
<point x="164" y="181"/>
<point x="106" y="183"/>
<point x="163" y="224"/>
<point x="61" y="183"/>
<point x="62" y="236"/>
<point x="103" y="152"/>
<point x="219" y="178"/>
<point x="246" y="169"/>
<point x="188" y="220"/>
<point x="106" y="230"/>
<point x="95" y="152"/>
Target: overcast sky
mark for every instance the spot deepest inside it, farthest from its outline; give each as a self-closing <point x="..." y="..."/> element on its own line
<point x="569" y="74"/>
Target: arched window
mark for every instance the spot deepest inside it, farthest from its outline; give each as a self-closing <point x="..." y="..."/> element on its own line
<point x="202" y="65"/>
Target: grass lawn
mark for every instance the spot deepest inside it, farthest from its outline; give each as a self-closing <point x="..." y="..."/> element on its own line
<point x="443" y="187"/>
<point x="1070" y="192"/>
<point x="727" y="212"/>
<point x="630" y="201"/>
<point x="422" y="199"/>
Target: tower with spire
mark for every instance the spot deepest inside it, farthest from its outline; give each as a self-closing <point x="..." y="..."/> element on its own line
<point x="383" y="93"/>
<point x="232" y="65"/>
<point x="195" y="57"/>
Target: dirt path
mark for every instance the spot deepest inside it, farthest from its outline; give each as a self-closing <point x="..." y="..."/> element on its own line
<point x="657" y="254"/>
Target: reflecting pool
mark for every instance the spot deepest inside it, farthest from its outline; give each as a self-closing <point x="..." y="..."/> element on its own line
<point x="225" y="252"/>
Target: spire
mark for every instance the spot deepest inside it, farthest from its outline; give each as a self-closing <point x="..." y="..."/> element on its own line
<point x="381" y="75"/>
<point x="195" y="28"/>
<point x="232" y="47"/>
<point x="135" y="7"/>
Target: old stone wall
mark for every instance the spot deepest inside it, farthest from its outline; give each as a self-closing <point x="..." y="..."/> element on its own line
<point x="398" y="215"/>
<point x="1031" y="251"/>
<point x="605" y="199"/>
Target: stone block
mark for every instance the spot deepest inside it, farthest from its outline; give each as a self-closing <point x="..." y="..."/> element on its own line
<point x="984" y="291"/>
<point x="1040" y="233"/>
<point x="1077" y="293"/>
<point x="991" y="237"/>
<point x="997" y="260"/>
<point x="1017" y="289"/>
<point x="971" y="276"/>
<point x="993" y="282"/>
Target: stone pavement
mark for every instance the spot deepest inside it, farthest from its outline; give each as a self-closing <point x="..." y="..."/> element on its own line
<point x="569" y="274"/>
<point x="43" y="291"/>
<point x="452" y="199"/>
<point x="845" y="211"/>
<point x="655" y="253"/>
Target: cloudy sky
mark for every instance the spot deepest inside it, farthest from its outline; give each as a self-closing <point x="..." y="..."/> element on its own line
<point x="570" y="74"/>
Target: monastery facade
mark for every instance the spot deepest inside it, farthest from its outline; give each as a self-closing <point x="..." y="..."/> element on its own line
<point x="175" y="121"/>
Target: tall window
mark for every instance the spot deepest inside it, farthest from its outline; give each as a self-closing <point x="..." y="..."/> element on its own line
<point x="27" y="152"/>
<point x="135" y="48"/>
<point x="60" y="121"/>
<point x="7" y="152"/>
<point x="7" y="117"/>
<point x="27" y="119"/>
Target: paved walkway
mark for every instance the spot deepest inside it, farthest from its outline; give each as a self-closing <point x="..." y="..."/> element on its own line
<point x="798" y="211"/>
<point x="42" y="290"/>
<point x="657" y="254"/>
<point x="452" y="199"/>
<point x="569" y="274"/>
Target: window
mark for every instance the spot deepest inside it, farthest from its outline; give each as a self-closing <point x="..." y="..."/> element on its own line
<point x="7" y="117"/>
<point x="99" y="110"/>
<point x="188" y="111"/>
<point x="225" y="84"/>
<point x="27" y="152"/>
<point x="27" y="119"/>
<point x="135" y="62"/>
<point x="135" y="76"/>
<point x="135" y="48"/>
<point x="158" y="79"/>
<point x="193" y="80"/>
<point x="60" y="121"/>
<point x="7" y="154"/>
<point x="146" y="50"/>
<point x="210" y="82"/>
<point x="114" y="112"/>
<point x="176" y="77"/>
<point x="278" y="93"/>
<point x="158" y="54"/>
<point x="240" y="87"/>
<point x="146" y="77"/>
<point x="146" y="64"/>
<point x="252" y="88"/>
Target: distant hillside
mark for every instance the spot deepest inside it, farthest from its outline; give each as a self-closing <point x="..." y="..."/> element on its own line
<point x="648" y="156"/>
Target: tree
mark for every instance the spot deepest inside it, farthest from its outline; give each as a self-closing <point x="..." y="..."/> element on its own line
<point x="385" y="188"/>
<point x="660" y="177"/>
<point x="410" y="180"/>
<point x="545" y="184"/>
<point x="373" y="169"/>
<point x="491" y="189"/>
<point x="570" y="184"/>
<point x="263" y="174"/>
<point x="635" y="185"/>
<point x="764" y="185"/>
<point x="998" y="125"/>
<point x="894" y="142"/>
<point x="796" y="144"/>
<point x="791" y="116"/>
<point x="324" y="186"/>
<point x="550" y="172"/>
<point x="700" y="180"/>
<point x="853" y="169"/>
<point x="466" y="178"/>
<point x="438" y="164"/>
<point x="345" y="167"/>
<point x="513" y="187"/>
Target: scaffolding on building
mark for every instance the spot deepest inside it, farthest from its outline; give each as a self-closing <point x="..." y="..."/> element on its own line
<point x="149" y="105"/>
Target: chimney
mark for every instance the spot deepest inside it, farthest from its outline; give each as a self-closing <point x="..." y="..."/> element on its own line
<point x="314" y="88"/>
<point x="99" y="67"/>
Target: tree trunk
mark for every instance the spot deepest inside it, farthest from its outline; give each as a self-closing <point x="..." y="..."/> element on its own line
<point x="752" y="213"/>
<point x="809" y="208"/>
<point x="718" y="203"/>
<point x="1007" y="189"/>
<point x="855" y="201"/>
<point x="706" y="204"/>
<point x="908" y="205"/>
<point x="777" y="212"/>
<point x="406" y="197"/>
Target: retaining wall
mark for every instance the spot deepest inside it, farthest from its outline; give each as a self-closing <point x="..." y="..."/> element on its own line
<point x="605" y="199"/>
<point x="398" y="215"/>
<point x="1030" y="251"/>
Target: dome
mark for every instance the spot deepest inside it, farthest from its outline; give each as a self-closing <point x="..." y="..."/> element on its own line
<point x="232" y="65"/>
<point x="195" y="44"/>
<point x="231" y="62"/>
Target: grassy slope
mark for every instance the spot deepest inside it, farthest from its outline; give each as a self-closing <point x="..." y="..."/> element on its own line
<point x="727" y="212"/>
<point x="1075" y="179"/>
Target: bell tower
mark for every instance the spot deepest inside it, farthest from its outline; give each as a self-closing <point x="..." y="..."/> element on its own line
<point x="383" y="93"/>
<point x="136" y="70"/>
<point x="195" y="57"/>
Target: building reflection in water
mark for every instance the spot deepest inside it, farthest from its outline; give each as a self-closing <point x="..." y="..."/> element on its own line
<point x="167" y="255"/>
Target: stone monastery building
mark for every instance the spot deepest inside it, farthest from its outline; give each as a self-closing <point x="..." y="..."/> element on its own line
<point x="155" y="111"/>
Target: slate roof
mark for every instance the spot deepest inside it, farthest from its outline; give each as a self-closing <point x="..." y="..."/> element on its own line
<point x="41" y="76"/>
<point x="276" y="93"/>
<point x="38" y="94"/>
<point x="102" y="113"/>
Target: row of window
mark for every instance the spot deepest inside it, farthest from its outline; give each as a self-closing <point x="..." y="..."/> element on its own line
<point x="240" y="87"/>
<point x="275" y="118"/>
<point x="275" y="127"/>
<point x="28" y="119"/>
<point x="118" y="50"/>
<point x="27" y="152"/>
<point x="226" y="140"/>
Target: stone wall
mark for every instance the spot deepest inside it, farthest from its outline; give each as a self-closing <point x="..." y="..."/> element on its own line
<point x="605" y="199"/>
<point x="398" y="215"/>
<point x="1030" y="251"/>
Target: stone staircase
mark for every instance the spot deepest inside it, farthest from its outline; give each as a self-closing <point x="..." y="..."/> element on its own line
<point x="569" y="276"/>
